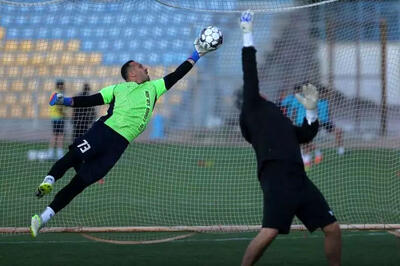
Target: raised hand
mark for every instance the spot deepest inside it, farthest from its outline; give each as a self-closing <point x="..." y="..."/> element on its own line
<point x="246" y="21"/>
<point x="309" y="97"/>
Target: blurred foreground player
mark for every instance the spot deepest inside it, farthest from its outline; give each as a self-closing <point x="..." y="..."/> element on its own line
<point x="287" y="190"/>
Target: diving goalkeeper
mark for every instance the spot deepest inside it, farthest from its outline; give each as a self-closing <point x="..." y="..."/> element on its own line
<point x="96" y="152"/>
<point x="287" y="190"/>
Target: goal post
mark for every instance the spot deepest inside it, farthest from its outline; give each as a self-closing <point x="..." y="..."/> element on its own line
<point x="191" y="170"/>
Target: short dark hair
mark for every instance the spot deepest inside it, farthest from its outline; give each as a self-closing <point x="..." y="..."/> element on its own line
<point x="124" y="70"/>
<point x="86" y="87"/>
<point x="60" y="85"/>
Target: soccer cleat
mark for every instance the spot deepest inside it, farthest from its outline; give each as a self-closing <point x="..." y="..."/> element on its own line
<point x="318" y="159"/>
<point x="43" y="189"/>
<point x="36" y="224"/>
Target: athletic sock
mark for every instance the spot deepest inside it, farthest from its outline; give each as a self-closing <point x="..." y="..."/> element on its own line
<point x="49" y="179"/>
<point x="60" y="153"/>
<point x="46" y="215"/>
<point x="248" y="39"/>
<point x="50" y="153"/>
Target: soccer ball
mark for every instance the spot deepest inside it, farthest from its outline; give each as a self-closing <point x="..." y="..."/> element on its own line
<point x="210" y="37"/>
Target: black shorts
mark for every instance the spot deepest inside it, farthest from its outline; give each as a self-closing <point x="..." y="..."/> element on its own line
<point x="99" y="149"/>
<point x="58" y="126"/>
<point x="329" y="126"/>
<point x="288" y="192"/>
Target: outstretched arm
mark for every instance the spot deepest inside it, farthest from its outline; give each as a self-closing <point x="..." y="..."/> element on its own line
<point x="77" y="101"/>
<point x="179" y="73"/>
<point x="249" y="64"/>
<point x="88" y="101"/>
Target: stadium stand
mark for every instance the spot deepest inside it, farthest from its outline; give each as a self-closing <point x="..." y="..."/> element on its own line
<point x="62" y="43"/>
<point x="2" y="31"/>
<point x="41" y="45"/>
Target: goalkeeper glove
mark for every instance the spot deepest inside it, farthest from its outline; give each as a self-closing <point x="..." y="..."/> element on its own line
<point x="246" y="24"/>
<point x="200" y="51"/>
<point x="59" y="99"/>
<point x="246" y="21"/>
<point x="309" y="99"/>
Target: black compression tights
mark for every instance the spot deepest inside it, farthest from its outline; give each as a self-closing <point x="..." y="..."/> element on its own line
<point x="61" y="166"/>
<point x="65" y="195"/>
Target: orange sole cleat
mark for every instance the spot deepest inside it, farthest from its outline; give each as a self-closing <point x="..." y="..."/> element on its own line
<point x="318" y="159"/>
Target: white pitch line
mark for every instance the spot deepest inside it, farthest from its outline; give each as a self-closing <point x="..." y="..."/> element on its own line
<point x="193" y="240"/>
<point x="279" y="237"/>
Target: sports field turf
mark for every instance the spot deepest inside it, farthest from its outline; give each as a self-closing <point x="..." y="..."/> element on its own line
<point x="162" y="184"/>
<point x="359" y="248"/>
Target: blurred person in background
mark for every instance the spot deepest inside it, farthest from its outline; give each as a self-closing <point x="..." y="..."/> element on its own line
<point x="296" y="112"/>
<point x="82" y="117"/>
<point x="57" y="116"/>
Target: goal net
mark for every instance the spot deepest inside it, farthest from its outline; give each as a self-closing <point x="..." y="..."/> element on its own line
<point x="191" y="170"/>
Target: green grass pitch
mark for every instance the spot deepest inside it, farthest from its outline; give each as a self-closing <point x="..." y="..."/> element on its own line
<point x="159" y="184"/>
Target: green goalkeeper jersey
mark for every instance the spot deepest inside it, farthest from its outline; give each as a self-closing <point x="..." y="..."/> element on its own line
<point x="131" y="106"/>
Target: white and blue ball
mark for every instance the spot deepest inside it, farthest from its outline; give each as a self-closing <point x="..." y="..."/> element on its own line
<point x="211" y="38"/>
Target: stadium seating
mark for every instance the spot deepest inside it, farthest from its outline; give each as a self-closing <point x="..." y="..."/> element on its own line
<point x="66" y="58"/>
<point x="28" y="72"/>
<point x="57" y="45"/>
<point x="73" y="45"/>
<point x="3" y="85"/>
<point x="72" y="71"/>
<point x="43" y="71"/>
<point x="43" y="99"/>
<point x="7" y="58"/>
<point x="48" y="86"/>
<point x="58" y="71"/>
<point x="18" y="85"/>
<point x="22" y="59"/>
<point x="91" y="45"/>
<point x="16" y="111"/>
<point x="26" y="45"/>
<point x="10" y="98"/>
<point x="10" y="45"/>
<point x="25" y="99"/>
<point x="2" y="33"/>
<point x="13" y="71"/>
<point x="40" y="45"/>
<point x="29" y="111"/>
<point x="37" y="59"/>
<point x="3" y="111"/>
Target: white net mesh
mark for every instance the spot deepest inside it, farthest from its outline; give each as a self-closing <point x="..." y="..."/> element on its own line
<point x="191" y="166"/>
